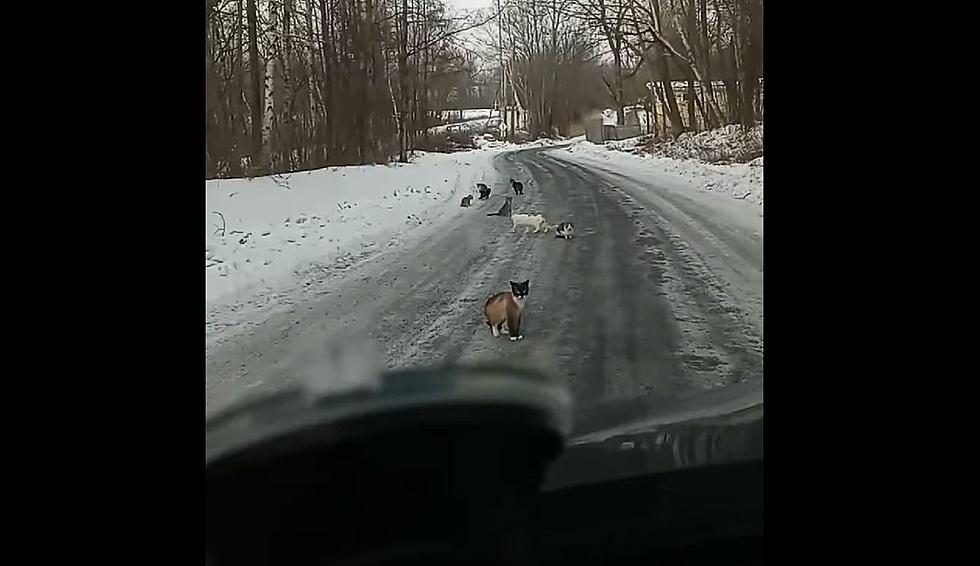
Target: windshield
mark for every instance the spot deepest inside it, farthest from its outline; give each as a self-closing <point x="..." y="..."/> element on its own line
<point x="568" y="186"/>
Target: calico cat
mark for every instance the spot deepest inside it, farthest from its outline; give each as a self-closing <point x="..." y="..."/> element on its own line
<point x="507" y="308"/>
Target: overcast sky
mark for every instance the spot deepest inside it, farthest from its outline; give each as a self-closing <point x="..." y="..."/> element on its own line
<point x="469" y="4"/>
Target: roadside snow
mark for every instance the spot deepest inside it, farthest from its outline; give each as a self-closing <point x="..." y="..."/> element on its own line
<point x="728" y="144"/>
<point x="278" y="228"/>
<point x="742" y="181"/>
<point x="489" y="142"/>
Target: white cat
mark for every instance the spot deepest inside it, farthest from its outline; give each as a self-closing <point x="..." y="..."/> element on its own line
<point x="535" y="221"/>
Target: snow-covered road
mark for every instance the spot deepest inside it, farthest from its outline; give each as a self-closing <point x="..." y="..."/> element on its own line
<point x="658" y="297"/>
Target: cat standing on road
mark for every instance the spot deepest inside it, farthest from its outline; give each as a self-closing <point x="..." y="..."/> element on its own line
<point x="505" y="210"/>
<point x="484" y="191"/>
<point x="535" y="221"/>
<point x="517" y="186"/>
<point x="507" y="308"/>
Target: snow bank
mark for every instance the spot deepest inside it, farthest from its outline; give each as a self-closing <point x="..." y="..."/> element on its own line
<point x="489" y="142"/>
<point x="728" y="144"/>
<point x="278" y="227"/>
<point x="743" y="181"/>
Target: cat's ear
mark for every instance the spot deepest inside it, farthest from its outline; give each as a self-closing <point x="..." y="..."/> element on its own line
<point x="525" y="284"/>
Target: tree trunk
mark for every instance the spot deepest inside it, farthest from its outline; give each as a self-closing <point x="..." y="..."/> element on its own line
<point x="731" y="85"/>
<point x="618" y="60"/>
<point x="327" y="66"/>
<point x="706" y="46"/>
<point x="673" y="114"/>
<point x="403" y="82"/>
<point x="256" y="79"/>
<point x="692" y="119"/>
<point x="287" y="127"/>
<point x="750" y="61"/>
<point x="239" y="126"/>
<point x="726" y="59"/>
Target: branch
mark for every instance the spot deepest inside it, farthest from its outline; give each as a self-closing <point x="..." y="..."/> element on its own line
<point x="222" y="229"/>
<point x="458" y="31"/>
<point x="612" y="91"/>
<point x="639" y="65"/>
<point x="281" y="180"/>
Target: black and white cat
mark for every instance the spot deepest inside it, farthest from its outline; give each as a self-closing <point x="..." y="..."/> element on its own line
<point x="564" y="230"/>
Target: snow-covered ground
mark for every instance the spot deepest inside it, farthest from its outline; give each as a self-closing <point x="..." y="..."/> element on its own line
<point x="743" y="181"/>
<point x="276" y="229"/>
<point x="728" y="144"/>
<point x="489" y="142"/>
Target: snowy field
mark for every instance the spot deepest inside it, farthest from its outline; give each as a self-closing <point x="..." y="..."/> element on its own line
<point x="743" y="181"/>
<point x="277" y="229"/>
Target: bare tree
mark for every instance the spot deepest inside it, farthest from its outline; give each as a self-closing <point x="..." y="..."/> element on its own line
<point x="300" y="84"/>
